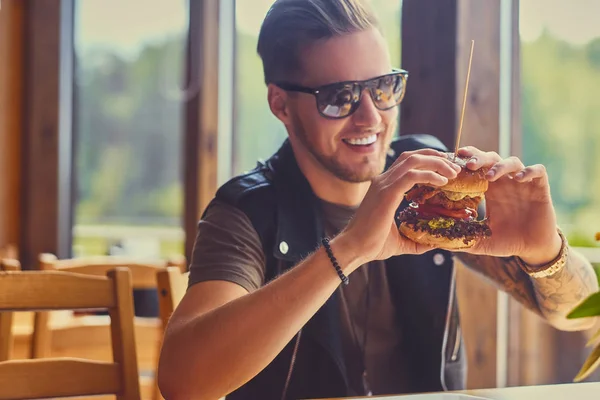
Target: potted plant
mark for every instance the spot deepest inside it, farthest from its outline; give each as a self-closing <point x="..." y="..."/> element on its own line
<point x="590" y="307"/>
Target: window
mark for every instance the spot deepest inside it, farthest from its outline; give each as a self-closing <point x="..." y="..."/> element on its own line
<point x="560" y="79"/>
<point x="128" y="127"/>
<point x="257" y="133"/>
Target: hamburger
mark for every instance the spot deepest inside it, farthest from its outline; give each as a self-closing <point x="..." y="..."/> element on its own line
<point x="447" y="217"/>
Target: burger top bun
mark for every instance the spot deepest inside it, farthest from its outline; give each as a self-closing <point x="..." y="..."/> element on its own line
<point x="433" y="240"/>
<point x="467" y="181"/>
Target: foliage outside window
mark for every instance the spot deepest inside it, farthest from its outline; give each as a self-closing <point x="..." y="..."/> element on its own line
<point x="560" y="51"/>
<point x="560" y="66"/>
<point x="128" y="129"/>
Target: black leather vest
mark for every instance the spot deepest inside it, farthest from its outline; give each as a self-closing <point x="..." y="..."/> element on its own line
<point x="283" y="209"/>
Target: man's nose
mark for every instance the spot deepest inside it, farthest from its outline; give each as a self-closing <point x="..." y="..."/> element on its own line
<point x="367" y="115"/>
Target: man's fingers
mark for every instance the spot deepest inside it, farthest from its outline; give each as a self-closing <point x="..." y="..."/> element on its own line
<point x="416" y="153"/>
<point x="415" y="176"/>
<point x="426" y="152"/>
<point x="416" y="168"/>
<point x="410" y="247"/>
<point x="509" y="166"/>
<point x="433" y="163"/>
<point x="530" y="173"/>
<point x="478" y="158"/>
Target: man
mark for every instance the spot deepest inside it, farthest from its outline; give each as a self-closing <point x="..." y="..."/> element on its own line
<point x="266" y="315"/>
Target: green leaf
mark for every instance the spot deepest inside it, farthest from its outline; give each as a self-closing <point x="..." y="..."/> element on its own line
<point x="589" y="366"/>
<point x="593" y="339"/>
<point x="590" y="307"/>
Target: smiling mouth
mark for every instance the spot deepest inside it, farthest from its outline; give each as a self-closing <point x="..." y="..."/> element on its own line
<point x="363" y="141"/>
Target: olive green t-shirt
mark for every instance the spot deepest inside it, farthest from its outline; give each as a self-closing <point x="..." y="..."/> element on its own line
<point x="228" y="248"/>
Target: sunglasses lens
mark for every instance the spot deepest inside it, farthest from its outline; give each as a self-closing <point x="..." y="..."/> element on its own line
<point x="341" y="100"/>
<point x="338" y="101"/>
<point x="389" y="91"/>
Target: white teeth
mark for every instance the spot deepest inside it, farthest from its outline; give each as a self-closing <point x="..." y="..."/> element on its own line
<point x="362" y="141"/>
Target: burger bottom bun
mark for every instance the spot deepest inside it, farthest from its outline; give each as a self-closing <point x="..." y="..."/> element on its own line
<point x="432" y="240"/>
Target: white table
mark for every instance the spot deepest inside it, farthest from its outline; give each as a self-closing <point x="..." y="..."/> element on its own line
<point x="571" y="391"/>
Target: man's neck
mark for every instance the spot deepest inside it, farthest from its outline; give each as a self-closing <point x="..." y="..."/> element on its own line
<point x="332" y="189"/>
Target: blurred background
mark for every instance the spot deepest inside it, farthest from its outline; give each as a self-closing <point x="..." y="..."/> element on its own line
<point x="120" y="118"/>
<point x="128" y="77"/>
<point x="129" y="60"/>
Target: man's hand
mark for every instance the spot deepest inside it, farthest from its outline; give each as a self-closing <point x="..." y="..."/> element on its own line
<point x="373" y="230"/>
<point x="519" y="207"/>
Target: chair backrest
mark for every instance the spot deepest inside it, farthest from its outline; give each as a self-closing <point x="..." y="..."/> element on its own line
<point x="9" y="252"/>
<point x="143" y="273"/>
<point x="54" y="377"/>
<point x="172" y="285"/>
<point x="6" y="317"/>
<point x="143" y="276"/>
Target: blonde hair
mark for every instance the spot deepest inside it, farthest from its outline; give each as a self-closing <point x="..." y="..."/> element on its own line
<point x="291" y="25"/>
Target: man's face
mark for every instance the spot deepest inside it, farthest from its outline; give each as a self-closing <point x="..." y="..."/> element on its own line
<point x="353" y="148"/>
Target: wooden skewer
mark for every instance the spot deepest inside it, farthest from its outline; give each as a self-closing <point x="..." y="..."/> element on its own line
<point x="464" y="106"/>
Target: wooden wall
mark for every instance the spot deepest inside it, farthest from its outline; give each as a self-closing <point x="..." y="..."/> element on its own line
<point x="479" y="21"/>
<point x="11" y="116"/>
<point x="429" y="55"/>
<point x="200" y="143"/>
<point x="40" y="219"/>
<point x="29" y="71"/>
<point x="436" y="39"/>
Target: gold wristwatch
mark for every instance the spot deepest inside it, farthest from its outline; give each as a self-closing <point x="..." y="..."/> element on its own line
<point x="553" y="266"/>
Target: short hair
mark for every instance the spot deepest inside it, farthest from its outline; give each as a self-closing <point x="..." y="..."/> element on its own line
<point x="291" y="25"/>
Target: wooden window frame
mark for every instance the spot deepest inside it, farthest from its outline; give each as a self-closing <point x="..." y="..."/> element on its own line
<point x="12" y="36"/>
<point x="201" y="116"/>
<point x="47" y="146"/>
<point x="435" y="50"/>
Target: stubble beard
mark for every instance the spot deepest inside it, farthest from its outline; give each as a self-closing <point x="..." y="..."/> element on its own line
<point x="352" y="174"/>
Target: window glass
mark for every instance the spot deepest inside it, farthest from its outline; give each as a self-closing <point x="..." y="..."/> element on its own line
<point x="128" y="126"/>
<point x="560" y="78"/>
<point x="257" y="133"/>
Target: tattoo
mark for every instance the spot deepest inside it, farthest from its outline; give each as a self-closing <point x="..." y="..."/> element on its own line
<point x="551" y="297"/>
<point x="558" y="294"/>
<point x="506" y="274"/>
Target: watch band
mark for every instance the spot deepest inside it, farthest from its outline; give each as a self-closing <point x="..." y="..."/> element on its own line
<point x="551" y="268"/>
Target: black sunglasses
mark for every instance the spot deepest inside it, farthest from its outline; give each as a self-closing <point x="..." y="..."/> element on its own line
<point x="341" y="99"/>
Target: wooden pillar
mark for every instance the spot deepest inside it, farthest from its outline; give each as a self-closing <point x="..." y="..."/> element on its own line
<point x="40" y="151"/>
<point x="479" y="21"/>
<point x="429" y="56"/>
<point x="11" y="116"/>
<point x="436" y="39"/>
<point x="200" y="143"/>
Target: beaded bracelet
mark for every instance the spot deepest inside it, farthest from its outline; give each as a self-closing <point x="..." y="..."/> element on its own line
<point x="343" y="277"/>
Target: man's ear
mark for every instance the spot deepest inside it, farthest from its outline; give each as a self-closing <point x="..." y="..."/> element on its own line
<point x="278" y="103"/>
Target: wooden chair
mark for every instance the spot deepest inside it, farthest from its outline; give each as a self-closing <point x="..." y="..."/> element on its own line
<point x="69" y="377"/>
<point x="9" y="252"/>
<point x="6" y="317"/>
<point x="88" y="335"/>
<point x="172" y="285"/>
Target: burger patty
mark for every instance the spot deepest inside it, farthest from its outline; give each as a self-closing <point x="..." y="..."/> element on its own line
<point x="433" y="196"/>
<point x="466" y="202"/>
<point x="419" y="194"/>
<point x="459" y="229"/>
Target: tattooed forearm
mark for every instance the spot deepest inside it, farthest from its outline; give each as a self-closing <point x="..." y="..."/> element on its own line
<point x="506" y="274"/>
<point x="558" y="294"/>
<point x="552" y="297"/>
